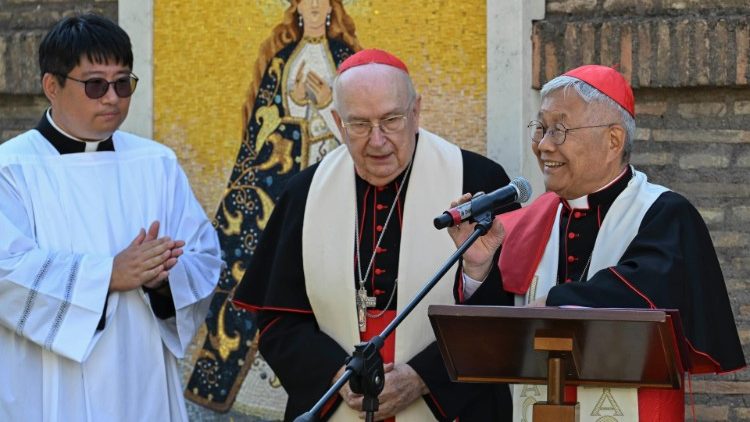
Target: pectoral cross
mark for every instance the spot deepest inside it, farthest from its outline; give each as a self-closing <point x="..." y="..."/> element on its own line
<point x="363" y="302"/>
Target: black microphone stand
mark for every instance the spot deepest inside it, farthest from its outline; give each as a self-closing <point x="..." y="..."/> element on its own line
<point x="364" y="369"/>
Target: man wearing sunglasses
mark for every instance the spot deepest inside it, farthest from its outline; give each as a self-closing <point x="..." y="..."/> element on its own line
<point x="350" y="243"/>
<point x="107" y="261"/>
<point x="603" y="236"/>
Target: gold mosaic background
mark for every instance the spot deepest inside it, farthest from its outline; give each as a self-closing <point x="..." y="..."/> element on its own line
<point x="203" y="53"/>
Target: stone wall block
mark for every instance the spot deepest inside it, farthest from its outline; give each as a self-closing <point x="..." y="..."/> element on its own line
<point x="743" y="160"/>
<point x="663" y="52"/>
<point x="701" y="109"/>
<point x="699" y="72"/>
<point x="712" y="215"/>
<point x="587" y="43"/>
<point x="571" y="6"/>
<point x="741" y="213"/>
<point x="742" y="42"/>
<point x="709" y="413"/>
<point x="656" y="108"/>
<point x="707" y="190"/>
<point x="719" y="46"/>
<point x="652" y="158"/>
<point x="730" y="239"/>
<point x="698" y="5"/>
<point x="642" y="134"/>
<point x="645" y="56"/>
<point x="609" y="44"/>
<point x="626" y="51"/>
<point x="742" y="107"/>
<point x="536" y="59"/>
<point x="698" y="161"/>
<point x="730" y="136"/>
<point x="3" y="64"/>
<point x="741" y="414"/>
<point x="721" y="387"/>
<point x="551" y="66"/>
<point x="571" y="48"/>
<point x="682" y="52"/>
<point x="628" y="6"/>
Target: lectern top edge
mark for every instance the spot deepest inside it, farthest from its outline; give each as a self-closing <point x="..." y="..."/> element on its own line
<point x="568" y="313"/>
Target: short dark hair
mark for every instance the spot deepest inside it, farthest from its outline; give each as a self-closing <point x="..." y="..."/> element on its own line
<point x="100" y="39"/>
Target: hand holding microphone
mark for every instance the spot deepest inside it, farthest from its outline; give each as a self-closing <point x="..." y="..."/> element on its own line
<point x="518" y="190"/>
<point x="478" y="260"/>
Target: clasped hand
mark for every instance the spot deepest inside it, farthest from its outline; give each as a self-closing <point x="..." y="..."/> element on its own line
<point x="402" y="386"/>
<point x="146" y="261"/>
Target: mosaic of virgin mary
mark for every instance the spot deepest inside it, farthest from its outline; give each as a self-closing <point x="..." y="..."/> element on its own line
<point x="288" y="126"/>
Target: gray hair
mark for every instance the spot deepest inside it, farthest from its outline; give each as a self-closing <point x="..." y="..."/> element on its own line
<point x="411" y="92"/>
<point x="589" y="95"/>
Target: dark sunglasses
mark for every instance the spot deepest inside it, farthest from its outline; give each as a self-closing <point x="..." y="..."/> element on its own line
<point x="98" y="87"/>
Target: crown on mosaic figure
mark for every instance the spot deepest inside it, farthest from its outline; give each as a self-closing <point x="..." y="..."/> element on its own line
<point x="608" y="81"/>
<point x="372" y="55"/>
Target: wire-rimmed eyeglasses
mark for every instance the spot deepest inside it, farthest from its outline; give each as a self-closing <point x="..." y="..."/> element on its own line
<point x="363" y="128"/>
<point x="556" y="134"/>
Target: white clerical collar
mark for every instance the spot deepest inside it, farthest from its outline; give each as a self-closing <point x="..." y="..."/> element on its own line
<point x="582" y="203"/>
<point x="91" y="146"/>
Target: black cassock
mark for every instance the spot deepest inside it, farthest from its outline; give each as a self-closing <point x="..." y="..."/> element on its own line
<point x="306" y="359"/>
<point x="670" y="264"/>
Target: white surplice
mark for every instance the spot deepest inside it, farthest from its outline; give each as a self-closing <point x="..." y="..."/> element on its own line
<point x="436" y="179"/>
<point x="63" y="218"/>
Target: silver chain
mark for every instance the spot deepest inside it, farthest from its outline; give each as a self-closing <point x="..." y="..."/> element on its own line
<point x="586" y="267"/>
<point x="377" y="245"/>
<point x="393" y="294"/>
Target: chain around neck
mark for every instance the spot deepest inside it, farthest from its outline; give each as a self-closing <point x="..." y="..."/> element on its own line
<point x="585" y="268"/>
<point x="380" y="237"/>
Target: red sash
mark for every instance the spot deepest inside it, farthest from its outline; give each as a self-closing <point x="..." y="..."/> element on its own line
<point x="527" y="232"/>
<point x="376" y="326"/>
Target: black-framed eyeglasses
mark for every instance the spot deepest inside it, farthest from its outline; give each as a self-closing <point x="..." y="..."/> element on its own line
<point x="556" y="134"/>
<point x="363" y="128"/>
<point x="98" y="87"/>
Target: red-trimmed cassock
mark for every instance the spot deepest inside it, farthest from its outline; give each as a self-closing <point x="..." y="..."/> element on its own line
<point x="301" y="354"/>
<point x="630" y="245"/>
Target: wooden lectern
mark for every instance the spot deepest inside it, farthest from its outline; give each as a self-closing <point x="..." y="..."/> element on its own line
<point x="561" y="346"/>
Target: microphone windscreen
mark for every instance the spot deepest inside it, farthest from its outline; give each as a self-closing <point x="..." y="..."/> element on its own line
<point x="523" y="187"/>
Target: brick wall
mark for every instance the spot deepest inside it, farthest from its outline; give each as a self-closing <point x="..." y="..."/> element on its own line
<point x="654" y="47"/>
<point x="688" y="63"/>
<point x="22" y="26"/>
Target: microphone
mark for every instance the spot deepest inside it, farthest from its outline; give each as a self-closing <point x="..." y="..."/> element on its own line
<point x="518" y="190"/>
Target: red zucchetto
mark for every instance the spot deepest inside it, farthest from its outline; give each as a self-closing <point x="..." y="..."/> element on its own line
<point x="607" y="80"/>
<point x="372" y="55"/>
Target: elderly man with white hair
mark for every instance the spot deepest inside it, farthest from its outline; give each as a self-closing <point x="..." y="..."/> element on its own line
<point x="351" y="241"/>
<point x="603" y="236"/>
